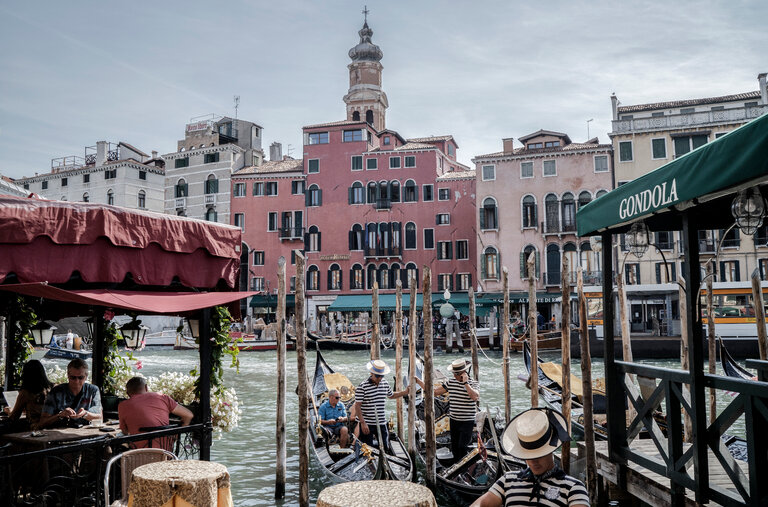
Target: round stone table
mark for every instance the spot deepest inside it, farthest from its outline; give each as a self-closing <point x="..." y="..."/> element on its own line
<point x="376" y="494"/>
<point x="180" y="483"/>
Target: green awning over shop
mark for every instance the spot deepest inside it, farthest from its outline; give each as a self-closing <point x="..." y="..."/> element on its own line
<point x="270" y="301"/>
<point x="716" y="169"/>
<point x="363" y="302"/>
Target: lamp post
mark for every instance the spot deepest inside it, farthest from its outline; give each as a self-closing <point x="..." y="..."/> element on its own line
<point x="133" y="334"/>
<point x="748" y="210"/>
<point x="42" y="333"/>
<point x="194" y="327"/>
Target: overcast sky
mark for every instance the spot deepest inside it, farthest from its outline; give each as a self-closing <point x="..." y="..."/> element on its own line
<point x="73" y="73"/>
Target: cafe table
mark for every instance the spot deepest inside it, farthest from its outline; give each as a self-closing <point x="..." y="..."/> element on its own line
<point x="43" y="439"/>
<point x="180" y="483"/>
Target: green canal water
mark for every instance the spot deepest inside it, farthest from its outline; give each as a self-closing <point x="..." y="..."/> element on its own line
<point x="249" y="451"/>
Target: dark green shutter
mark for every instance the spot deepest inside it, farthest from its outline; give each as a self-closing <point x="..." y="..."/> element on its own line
<point x="658" y="272"/>
<point x="482" y="218"/>
<point x="537" y="258"/>
<point x="320" y="197"/>
<point x="319" y="235"/>
<point x="450" y="251"/>
<point x="522" y="265"/>
<point x="350" y="190"/>
<point x="440" y="283"/>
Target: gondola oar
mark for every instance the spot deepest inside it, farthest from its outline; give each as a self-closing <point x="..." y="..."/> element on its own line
<point x="499" y="452"/>
<point x="383" y="471"/>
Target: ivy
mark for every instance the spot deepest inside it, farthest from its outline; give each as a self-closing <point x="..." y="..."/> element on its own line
<point x="116" y="366"/>
<point x="222" y="345"/>
<point x="24" y="317"/>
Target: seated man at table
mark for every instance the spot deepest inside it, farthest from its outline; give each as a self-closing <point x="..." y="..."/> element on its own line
<point x="333" y="416"/>
<point x="148" y="410"/>
<point x="73" y="404"/>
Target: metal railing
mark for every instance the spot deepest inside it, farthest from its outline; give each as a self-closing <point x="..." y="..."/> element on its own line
<point x="696" y="119"/>
<point x="394" y="251"/>
<point x="552" y="278"/>
<point x="383" y="203"/>
<point x="291" y="232"/>
<point x="555" y="227"/>
<point x="706" y="246"/>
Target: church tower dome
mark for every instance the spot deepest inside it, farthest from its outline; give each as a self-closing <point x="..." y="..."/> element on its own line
<point x="365" y="99"/>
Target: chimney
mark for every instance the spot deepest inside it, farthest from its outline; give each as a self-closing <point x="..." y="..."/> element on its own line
<point x="101" y="153"/>
<point x="615" y="106"/>
<point x="275" y="152"/>
<point x="763" y="88"/>
<point x="154" y="153"/>
<point x="509" y="144"/>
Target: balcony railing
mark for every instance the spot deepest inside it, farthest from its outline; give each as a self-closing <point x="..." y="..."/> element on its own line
<point x="557" y="228"/>
<point x="552" y="278"/>
<point x="181" y="203"/>
<point x="290" y="233"/>
<point x="697" y="119"/>
<point x="706" y="246"/>
<point x="394" y="251"/>
<point x="383" y="203"/>
<point x="589" y="277"/>
<point x="210" y="199"/>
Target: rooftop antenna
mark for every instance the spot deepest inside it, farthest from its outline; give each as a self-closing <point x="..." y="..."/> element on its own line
<point x="237" y="104"/>
<point x="288" y="150"/>
<point x="365" y="13"/>
<point x="591" y="119"/>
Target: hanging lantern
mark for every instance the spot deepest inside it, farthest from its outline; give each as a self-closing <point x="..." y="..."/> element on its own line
<point x="42" y="333"/>
<point x="133" y="334"/>
<point x="89" y="322"/>
<point x="748" y="210"/>
<point x="638" y="239"/>
<point x="194" y="327"/>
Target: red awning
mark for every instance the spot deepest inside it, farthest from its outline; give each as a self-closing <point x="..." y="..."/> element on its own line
<point x="143" y="302"/>
<point x="48" y="241"/>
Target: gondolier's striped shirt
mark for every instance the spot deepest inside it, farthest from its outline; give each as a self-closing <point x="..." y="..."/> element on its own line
<point x="370" y="395"/>
<point x="462" y="408"/>
<point x="555" y="490"/>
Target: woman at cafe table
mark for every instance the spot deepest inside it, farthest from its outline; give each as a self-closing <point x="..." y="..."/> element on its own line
<point x="74" y="403"/>
<point x="34" y="389"/>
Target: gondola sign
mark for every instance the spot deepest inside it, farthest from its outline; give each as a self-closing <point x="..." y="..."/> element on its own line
<point x="659" y="196"/>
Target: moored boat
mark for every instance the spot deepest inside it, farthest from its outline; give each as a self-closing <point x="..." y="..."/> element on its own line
<point x="352" y="341"/>
<point x="251" y="342"/>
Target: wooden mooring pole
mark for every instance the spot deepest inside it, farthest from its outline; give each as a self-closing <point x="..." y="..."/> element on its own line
<point x="473" y="335"/>
<point x="532" y="334"/>
<point x="375" y="329"/>
<point x="688" y="424"/>
<point x="413" y="338"/>
<point x="505" y="344"/>
<point x="586" y="383"/>
<point x="280" y="450"/>
<point x="757" y="297"/>
<point x="399" y="354"/>
<point x="429" y="393"/>
<point x="301" y="367"/>
<point x="565" y="345"/>
<point x="711" y="336"/>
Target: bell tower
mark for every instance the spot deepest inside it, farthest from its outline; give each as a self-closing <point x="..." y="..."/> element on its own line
<point x="365" y="100"/>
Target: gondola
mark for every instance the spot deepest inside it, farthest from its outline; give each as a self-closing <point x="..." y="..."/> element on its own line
<point x="356" y="341"/>
<point x="358" y="462"/>
<point x="475" y="473"/>
<point x="730" y="366"/>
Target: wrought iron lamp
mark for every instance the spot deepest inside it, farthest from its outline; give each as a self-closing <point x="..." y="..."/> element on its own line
<point x="42" y="333"/>
<point x="133" y="334"/>
<point x="194" y="327"/>
<point x="89" y="322"/>
<point x="748" y="210"/>
<point x="638" y="239"/>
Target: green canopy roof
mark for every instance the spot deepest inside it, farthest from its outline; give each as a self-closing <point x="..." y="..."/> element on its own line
<point x="270" y="301"/>
<point x="710" y="172"/>
<point x="363" y="302"/>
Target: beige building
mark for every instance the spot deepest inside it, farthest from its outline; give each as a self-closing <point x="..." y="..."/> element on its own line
<point x="647" y="136"/>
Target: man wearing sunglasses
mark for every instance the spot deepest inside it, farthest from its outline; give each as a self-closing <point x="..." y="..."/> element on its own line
<point x="333" y="416"/>
<point x="75" y="403"/>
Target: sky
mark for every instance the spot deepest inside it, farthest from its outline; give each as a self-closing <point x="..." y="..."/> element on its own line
<point x="74" y="73"/>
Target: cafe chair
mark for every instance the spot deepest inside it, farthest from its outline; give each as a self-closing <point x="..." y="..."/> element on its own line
<point x="129" y="461"/>
<point x="167" y="442"/>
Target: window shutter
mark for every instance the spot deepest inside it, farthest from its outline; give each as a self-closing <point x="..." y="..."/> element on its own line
<point x="658" y="272"/>
<point x="538" y="265"/>
<point x="450" y="250"/>
<point x="535" y="217"/>
<point x="320" y="197"/>
<point x="319" y="235"/>
<point x="306" y="242"/>
<point x="329" y="279"/>
<point x="469" y="281"/>
<point x="674" y="273"/>
<point x="522" y="265"/>
<point x="483" y="270"/>
<point x="440" y="283"/>
<point x="391" y="278"/>
<point x="349" y="195"/>
<point x="722" y="271"/>
<point x="737" y="275"/>
<point x="307" y="198"/>
<point x="498" y="264"/>
<point x="404" y="277"/>
<point x="437" y="219"/>
<point x="482" y="218"/>
<point x="351" y="239"/>
<point x="416" y="193"/>
<point x="215" y="216"/>
<point x="351" y="279"/>
<point x="341" y="279"/>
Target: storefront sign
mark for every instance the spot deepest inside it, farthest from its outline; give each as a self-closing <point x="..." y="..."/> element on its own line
<point x="650" y="199"/>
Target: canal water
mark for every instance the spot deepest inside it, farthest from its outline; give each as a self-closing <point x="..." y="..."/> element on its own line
<point x="249" y="451"/>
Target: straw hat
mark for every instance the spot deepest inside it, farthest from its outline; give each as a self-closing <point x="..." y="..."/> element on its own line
<point x="534" y="433"/>
<point x="458" y="366"/>
<point x="378" y="367"/>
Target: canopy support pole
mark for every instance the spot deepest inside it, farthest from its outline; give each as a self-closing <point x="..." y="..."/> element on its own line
<point x="205" y="384"/>
<point x="617" y="424"/>
<point x="97" y="377"/>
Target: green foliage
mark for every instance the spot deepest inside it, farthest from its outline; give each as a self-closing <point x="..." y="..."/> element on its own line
<point x="24" y="317"/>
<point x="221" y="345"/>
<point x="117" y="369"/>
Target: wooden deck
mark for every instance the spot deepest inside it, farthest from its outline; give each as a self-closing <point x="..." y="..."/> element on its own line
<point x="651" y="487"/>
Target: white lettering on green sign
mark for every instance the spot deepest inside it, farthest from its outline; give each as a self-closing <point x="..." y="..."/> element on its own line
<point x="657" y="197"/>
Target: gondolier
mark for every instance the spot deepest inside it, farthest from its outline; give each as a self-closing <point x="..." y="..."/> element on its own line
<point x="370" y="398"/>
<point x="464" y="395"/>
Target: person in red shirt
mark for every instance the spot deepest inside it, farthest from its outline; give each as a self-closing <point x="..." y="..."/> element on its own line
<point x="144" y="409"/>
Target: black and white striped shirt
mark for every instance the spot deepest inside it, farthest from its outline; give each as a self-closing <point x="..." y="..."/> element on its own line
<point x="462" y="408"/>
<point x="555" y="490"/>
<point x="370" y="395"/>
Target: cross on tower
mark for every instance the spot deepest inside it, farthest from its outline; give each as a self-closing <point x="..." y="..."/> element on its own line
<point x="365" y="13"/>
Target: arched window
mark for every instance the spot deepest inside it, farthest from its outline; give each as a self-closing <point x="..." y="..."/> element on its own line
<point x="590" y="263"/>
<point x="396" y="243"/>
<point x="334" y="277"/>
<point x="210" y="215"/>
<point x="142" y="199"/>
<point x="384" y="243"/>
<point x="369" y="117"/>
<point x="211" y="185"/>
<point x="383" y="276"/>
<point x="394" y="191"/>
<point x="410" y="192"/>
<point x="314" y="196"/>
<point x="182" y="190"/>
<point x="552" y="276"/>
<point x="356" y="277"/>
<point x="526" y="253"/>
<point x="488" y="214"/>
<point x="411" y="271"/>
<point x="600" y="193"/>
<point x="313" y="278"/>
<point x="395" y="274"/>
<point x="569" y="252"/>
<point x="356" y="237"/>
<point x="86" y="197"/>
<point x="312" y="240"/>
<point x="372" y="190"/>
<point x="356" y="116"/>
<point x="356" y="193"/>
<point x="410" y="236"/>
<point x="490" y="264"/>
<point x="110" y="197"/>
<point x="569" y="212"/>
<point x="584" y="198"/>
<point x="552" y="212"/>
<point x="371" y="233"/>
<point x="529" y="211"/>
<point x="372" y="275"/>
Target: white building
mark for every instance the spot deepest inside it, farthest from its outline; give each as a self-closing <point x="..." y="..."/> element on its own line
<point x="117" y="174"/>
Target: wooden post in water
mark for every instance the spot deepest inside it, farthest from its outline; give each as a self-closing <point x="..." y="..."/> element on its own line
<point x="586" y="382"/>
<point x="429" y="391"/>
<point x="399" y="353"/>
<point x="688" y="424"/>
<point x="280" y="423"/>
<point x="625" y="338"/>
<point x="413" y="338"/>
<point x="375" y="321"/>
<point x="565" y="345"/>
<point x="473" y="334"/>
<point x="757" y="297"/>
<point x="532" y="334"/>
<point x="505" y="344"/>
<point x="301" y="364"/>
<point x="711" y="339"/>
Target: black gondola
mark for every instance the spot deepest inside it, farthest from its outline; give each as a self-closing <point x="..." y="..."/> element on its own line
<point x="356" y="341"/>
<point x="358" y="462"/>
<point x="730" y="366"/>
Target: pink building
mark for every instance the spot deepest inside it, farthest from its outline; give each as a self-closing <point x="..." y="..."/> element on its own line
<point x="364" y="204"/>
<point x="527" y="199"/>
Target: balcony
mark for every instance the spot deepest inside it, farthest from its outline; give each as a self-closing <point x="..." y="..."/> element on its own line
<point x="291" y="233"/>
<point x="210" y="199"/>
<point x="394" y="251"/>
<point x="383" y="204"/>
<point x="706" y="246"/>
<point x="552" y="278"/>
<point x="181" y="203"/>
<point x="682" y="121"/>
<point x="589" y="277"/>
<point x="556" y="228"/>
